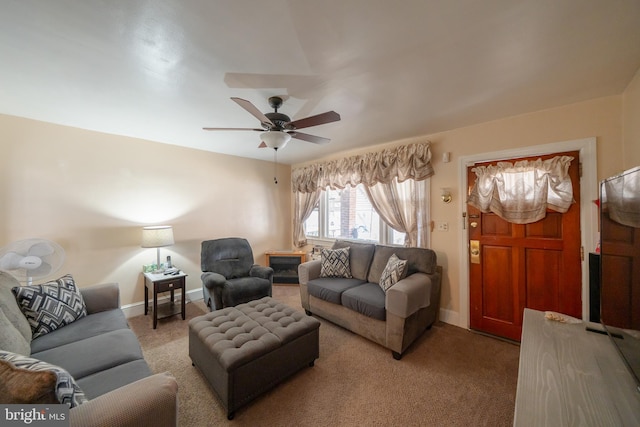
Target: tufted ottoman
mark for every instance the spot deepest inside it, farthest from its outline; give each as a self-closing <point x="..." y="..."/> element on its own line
<point x="248" y="349"/>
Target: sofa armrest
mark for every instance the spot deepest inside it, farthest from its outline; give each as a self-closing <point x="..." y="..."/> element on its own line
<point x="102" y="297"/>
<point x="308" y="271"/>
<point x="151" y="401"/>
<point x="212" y="280"/>
<point x="409" y="295"/>
<point x="261" y="272"/>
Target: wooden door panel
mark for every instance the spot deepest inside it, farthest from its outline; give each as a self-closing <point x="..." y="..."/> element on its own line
<point x="543" y="278"/>
<point x="498" y="295"/>
<point x="616" y="302"/>
<point x="534" y="265"/>
<point x="550" y="227"/>
<point x="493" y="225"/>
<point x="620" y="303"/>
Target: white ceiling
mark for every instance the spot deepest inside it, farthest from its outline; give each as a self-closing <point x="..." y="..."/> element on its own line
<point x="163" y="69"/>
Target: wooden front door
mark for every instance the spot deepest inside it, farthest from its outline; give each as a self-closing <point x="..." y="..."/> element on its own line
<point x="534" y="265"/>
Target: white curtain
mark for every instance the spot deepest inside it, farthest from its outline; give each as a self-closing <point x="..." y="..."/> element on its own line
<point x="403" y="206"/>
<point x="521" y="192"/>
<point x="396" y="182"/>
<point x="621" y="197"/>
<point x="304" y="205"/>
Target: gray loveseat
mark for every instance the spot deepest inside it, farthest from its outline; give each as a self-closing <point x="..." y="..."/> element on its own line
<point x="103" y="356"/>
<point x="394" y="319"/>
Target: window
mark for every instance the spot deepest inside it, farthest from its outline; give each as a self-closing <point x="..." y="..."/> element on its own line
<point x="348" y="214"/>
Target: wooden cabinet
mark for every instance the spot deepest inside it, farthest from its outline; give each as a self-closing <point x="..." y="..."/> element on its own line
<point x="285" y="265"/>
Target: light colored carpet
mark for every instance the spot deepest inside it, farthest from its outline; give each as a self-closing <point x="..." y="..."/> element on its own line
<point x="448" y="377"/>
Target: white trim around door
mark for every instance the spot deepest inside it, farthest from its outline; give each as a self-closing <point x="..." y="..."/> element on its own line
<point x="588" y="210"/>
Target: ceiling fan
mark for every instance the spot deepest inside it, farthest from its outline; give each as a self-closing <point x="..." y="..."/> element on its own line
<point x="278" y="129"/>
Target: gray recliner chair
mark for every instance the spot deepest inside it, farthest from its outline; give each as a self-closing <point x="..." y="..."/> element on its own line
<point x="229" y="275"/>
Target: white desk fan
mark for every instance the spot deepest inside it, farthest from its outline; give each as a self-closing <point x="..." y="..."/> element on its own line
<point x="29" y="258"/>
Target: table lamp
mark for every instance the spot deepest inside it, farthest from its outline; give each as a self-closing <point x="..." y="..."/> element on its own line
<point x="156" y="237"/>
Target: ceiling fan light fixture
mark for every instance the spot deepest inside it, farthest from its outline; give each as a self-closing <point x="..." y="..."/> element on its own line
<point x="275" y="139"/>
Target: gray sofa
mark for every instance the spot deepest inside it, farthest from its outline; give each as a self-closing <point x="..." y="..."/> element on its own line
<point x="394" y="319"/>
<point x="103" y="356"/>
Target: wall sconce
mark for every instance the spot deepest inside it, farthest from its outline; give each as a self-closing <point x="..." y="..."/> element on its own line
<point x="446" y="195"/>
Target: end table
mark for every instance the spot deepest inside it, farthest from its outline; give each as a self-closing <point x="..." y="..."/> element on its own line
<point x="160" y="282"/>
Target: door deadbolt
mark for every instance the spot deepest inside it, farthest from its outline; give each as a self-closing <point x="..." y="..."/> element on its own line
<point x="474" y="251"/>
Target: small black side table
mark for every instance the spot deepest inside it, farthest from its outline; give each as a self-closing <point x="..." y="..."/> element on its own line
<point x="164" y="283"/>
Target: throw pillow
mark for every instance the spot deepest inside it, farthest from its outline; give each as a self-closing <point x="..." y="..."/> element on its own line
<point x="335" y="263"/>
<point x="21" y="386"/>
<point x="395" y="270"/>
<point x="65" y="388"/>
<point x="51" y="305"/>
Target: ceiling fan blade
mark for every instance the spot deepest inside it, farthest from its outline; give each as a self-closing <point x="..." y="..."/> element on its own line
<point x="309" y="138"/>
<point x="320" y="119"/>
<point x="258" y="130"/>
<point x="262" y="145"/>
<point x="253" y="110"/>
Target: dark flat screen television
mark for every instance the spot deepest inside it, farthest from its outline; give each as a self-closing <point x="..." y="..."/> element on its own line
<point x="620" y="265"/>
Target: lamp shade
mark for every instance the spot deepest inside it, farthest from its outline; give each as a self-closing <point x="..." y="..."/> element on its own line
<point x="275" y="139"/>
<point x="157" y="236"/>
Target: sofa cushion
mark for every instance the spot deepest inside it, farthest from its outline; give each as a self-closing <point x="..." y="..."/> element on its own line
<point x="335" y="263"/>
<point x="360" y="256"/>
<point x="86" y="327"/>
<point x="51" y="305"/>
<point x="11" y="339"/>
<point x="367" y="299"/>
<point x="395" y="270"/>
<point x="66" y="389"/>
<point x="10" y="307"/>
<point x="418" y="260"/>
<point x="102" y="382"/>
<point x="94" y="354"/>
<point x="331" y="288"/>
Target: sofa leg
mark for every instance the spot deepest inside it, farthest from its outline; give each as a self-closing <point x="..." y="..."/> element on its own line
<point x="230" y="415"/>
<point x="308" y="313"/>
<point x="396" y="355"/>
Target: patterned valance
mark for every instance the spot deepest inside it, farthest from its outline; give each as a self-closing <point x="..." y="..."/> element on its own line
<point x="411" y="161"/>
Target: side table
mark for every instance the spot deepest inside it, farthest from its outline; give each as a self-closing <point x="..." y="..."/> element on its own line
<point x="164" y="283"/>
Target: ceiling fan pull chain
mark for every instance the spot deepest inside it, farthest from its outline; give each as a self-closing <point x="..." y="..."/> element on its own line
<point x="275" y="168"/>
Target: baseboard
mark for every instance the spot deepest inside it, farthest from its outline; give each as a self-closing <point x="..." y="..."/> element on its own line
<point x="137" y="308"/>
<point x="450" y="317"/>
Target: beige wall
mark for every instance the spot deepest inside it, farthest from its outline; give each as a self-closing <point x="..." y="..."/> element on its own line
<point x="92" y="193"/>
<point x="631" y="123"/>
<point x="600" y="118"/>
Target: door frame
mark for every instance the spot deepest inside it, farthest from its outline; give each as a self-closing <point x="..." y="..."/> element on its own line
<point x="588" y="210"/>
